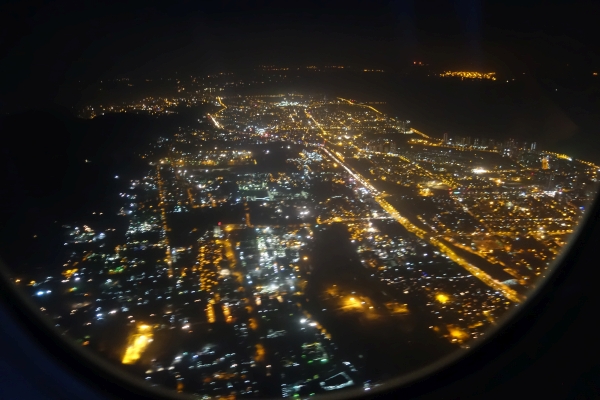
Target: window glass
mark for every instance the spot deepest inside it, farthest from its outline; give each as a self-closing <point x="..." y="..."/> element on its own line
<point x="265" y="202"/>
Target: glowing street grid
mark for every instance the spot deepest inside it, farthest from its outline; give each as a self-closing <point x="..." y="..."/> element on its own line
<point x="270" y="251"/>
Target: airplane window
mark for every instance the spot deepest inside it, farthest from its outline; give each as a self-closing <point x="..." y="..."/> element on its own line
<point x="253" y="200"/>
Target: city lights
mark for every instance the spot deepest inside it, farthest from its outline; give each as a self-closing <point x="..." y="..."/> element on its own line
<point x="284" y="233"/>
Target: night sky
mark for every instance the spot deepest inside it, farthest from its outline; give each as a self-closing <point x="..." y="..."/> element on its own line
<point x="48" y="46"/>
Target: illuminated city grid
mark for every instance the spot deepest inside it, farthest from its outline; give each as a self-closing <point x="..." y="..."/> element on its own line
<point x="217" y="286"/>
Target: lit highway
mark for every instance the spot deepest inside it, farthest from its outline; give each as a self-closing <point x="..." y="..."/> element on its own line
<point x="477" y="272"/>
<point x="379" y="112"/>
<point x="217" y="124"/>
<point x="212" y="117"/>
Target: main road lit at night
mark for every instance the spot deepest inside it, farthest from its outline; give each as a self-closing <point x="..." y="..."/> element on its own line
<point x="477" y="272"/>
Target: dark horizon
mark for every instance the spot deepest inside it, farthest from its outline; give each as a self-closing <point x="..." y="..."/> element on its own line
<point x="58" y="45"/>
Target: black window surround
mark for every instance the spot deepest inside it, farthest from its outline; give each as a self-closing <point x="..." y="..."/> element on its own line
<point x="539" y="349"/>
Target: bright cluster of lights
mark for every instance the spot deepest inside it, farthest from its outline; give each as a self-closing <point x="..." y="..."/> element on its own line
<point x="469" y="75"/>
<point x="558" y="155"/>
<point x="137" y="344"/>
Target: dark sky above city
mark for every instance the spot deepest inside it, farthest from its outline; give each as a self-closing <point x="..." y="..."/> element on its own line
<point x="48" y="45"/>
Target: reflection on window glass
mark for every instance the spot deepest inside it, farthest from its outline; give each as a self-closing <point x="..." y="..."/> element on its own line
<point x="297" y="228"/>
